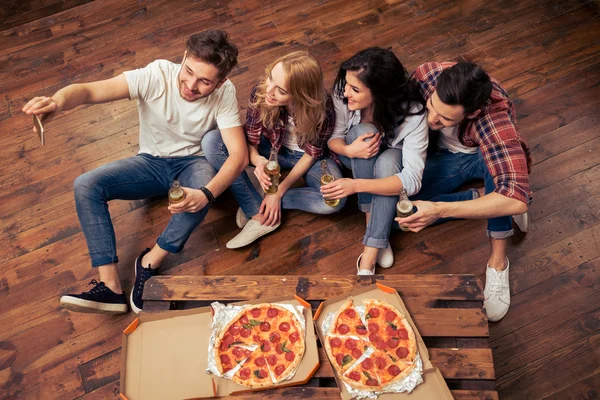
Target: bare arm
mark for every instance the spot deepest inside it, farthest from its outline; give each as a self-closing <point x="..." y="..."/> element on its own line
<point x="345" y="187"/>
<point x="301" y="167"/>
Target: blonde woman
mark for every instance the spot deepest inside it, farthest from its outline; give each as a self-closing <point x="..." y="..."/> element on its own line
<point x="291" y="112"/>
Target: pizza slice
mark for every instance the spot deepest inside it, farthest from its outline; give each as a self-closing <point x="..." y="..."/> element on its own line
<point x="346" y="321"/>
<point x="344" y="351"/>
<point x="390" y="366"/>
<point x="364" y="375"/>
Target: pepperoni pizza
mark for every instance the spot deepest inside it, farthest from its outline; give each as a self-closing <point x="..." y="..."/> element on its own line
<point x="371" y="351"/>
<point x="264" y="343"/>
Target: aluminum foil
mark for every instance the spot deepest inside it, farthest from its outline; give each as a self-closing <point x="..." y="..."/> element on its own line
<point x="223" y="315"/>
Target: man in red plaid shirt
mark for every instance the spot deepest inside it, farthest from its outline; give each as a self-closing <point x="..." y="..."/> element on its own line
<point x="473" y="131"/>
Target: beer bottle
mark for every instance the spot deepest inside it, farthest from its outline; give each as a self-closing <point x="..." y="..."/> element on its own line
<point x="327" y="177"/>
<point x="176" y="193"/>
<point x="273" y="170"/>
<point x="404" y="208"/>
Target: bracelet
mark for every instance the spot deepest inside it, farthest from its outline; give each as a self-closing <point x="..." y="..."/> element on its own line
<point x="208" y="194"/>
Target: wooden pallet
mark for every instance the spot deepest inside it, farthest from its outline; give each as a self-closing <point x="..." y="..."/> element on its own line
<point x="447" y="310"/>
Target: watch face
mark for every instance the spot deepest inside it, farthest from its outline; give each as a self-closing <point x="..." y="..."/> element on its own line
<point x="39" y="128"/>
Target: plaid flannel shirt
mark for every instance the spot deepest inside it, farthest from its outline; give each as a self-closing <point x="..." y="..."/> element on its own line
<point x="255" y="129"/>
<point x="495" y="132"/>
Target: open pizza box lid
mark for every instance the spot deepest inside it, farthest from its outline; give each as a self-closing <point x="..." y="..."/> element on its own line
<point x="165" y="355"/>
<point x="433" y="386"/>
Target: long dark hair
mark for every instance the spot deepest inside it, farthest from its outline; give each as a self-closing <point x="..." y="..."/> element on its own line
<point x="394" y="93"/>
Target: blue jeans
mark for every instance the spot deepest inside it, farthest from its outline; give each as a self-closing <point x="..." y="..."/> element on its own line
<point x="445" y="172"/>
<point x="308" y="198"/>
<point x="136" y="178"/>
<point x="382" y="209"/>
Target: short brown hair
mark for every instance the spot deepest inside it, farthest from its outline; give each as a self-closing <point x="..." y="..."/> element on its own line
<point x="214" y="47"/>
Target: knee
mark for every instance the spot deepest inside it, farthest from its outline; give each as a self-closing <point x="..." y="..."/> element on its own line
<point x="84" y="185"/>
<point x="387" y="166"/>
<point x="213" y="145"/>
<point x="332" y="210"/>
<point x="358" y="130"/>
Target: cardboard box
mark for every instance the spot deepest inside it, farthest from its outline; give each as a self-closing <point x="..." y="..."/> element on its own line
<point x="433" y="386"/>
<point x="165" y="356"/>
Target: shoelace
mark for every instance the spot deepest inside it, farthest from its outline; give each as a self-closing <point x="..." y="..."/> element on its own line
<point x="497" y="285"/>
<point x="98" y="286"/>
<point x="145" y="275"/>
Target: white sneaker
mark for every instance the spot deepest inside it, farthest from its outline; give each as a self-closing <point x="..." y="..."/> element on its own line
<point x="496" y="293"/>
<point x="522" y="221"/>
<point x="363" y="271"/>
<point x="252" y="231"/>
<point x="240" y="218"/>
<point x="385" y="257"/>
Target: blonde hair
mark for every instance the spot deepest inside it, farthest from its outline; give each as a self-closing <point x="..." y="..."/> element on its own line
<point x="306" y="87"/>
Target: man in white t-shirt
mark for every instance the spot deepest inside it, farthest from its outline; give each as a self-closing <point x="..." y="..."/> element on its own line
<point x="178" y="104"/>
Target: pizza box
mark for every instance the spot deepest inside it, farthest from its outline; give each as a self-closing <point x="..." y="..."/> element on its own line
<point x="433" y="386"/>
<point x="165" y="355"/>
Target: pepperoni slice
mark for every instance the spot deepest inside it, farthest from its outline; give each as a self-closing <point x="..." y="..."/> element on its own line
<point x="374" y="337"/>
<point x="294" y="337"/>
<point x="279" y="370"/>
<point x="244" y="320"/>
<point x="361" y="330"/>
<point x="335" y="342"/>
<point x="265" y="346"/>
<point x="390" y="316"/>
<point x="380" y="362"/>
<point x="260" y="362"/>
<point x="238" y="352"/>
<point x="225" y="359"/>
<point x="391" y="331"/>
<point x="371" y="382"/>
<point x="393" y="342"/>
<point x="274" y="337"/>
<point x="367" y="364"/>
<point x="227" y="369"/>
<point x="284" y="327"/>
<point x="245" y="333"/>
<point x="223" y="346"/>
<point x="394" y="370"/>
<point x="373" y="327"/>
<point x="272" y="359"/>
<point x="228" y="339"/>
<point x="290" y="356"/>
<point x="265" y="327"/>
<point x="263" y="373"/>
<point x="339" y="358"/>
<point x="402" y="334"/>
<point x="381" y="344"/>
<point x="234" y="329"/>
<point x="350" y="313"/>
<point x="247" y="353"/>
<point x="279" y="349"/>
<point x="350" y="344"/>
<point x="255" y="312"/>
<point x="245" y="373"/>
<point x="374" y="312"/>
<point x="257" y="339"/>
<point x="343" y="329"/>
<point x="272" y="312"/>
<point x="402" y="352"/>
<point x="356" y="353"/>
<point x="354" y="375"/>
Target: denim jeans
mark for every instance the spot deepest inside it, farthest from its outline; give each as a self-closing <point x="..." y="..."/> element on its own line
<point x="136" y="178"/>
<point x="382" y="209"/>
<point x="308" y="198"/>
<point x="446" y="172"/>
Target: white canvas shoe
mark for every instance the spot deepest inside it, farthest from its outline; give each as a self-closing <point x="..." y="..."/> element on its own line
<point x="363" y="271"/>
<point x="496" y="293"/>
<point x="385" y="257"/>
<point x="522" y="221"/>
<point x="252" y="231"/>
<point x="240" y="218"/>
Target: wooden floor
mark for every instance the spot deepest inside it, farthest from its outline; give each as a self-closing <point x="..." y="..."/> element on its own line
<point x="545" y="53"/>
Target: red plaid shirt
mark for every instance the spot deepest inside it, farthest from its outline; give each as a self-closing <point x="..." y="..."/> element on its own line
<point x="494" y="132"/>
<point x="255" y="129"/>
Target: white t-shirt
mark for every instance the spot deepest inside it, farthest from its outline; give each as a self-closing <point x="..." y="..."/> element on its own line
<point x="169" y="125"/>
<point x="290" y="140"/>
<point x="449" y="141"/>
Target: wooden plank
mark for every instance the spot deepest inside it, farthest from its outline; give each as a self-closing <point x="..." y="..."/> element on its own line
<point x="583" y="389"/>
<point x="474" y="394"/>
<point x="174" y="288"/>
<point x="101" y="371"/>
<point x="106" y="392"/>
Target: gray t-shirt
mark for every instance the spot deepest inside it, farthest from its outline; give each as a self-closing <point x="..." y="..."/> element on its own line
<point x="169" y="125"/>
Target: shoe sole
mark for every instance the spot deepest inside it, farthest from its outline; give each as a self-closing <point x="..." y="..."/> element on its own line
<point x="246" y="243"/>
<point x="131" y="304"/>
<point x="92" y="307"/>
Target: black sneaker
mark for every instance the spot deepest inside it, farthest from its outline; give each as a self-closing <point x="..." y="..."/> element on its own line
<point x="99" y="299"/>
<point x="141" y="276"/>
